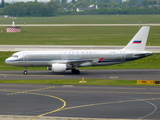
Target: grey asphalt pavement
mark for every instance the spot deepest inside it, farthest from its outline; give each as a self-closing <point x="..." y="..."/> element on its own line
<point x="81" y="102"/>
<point x="116" y="74"/>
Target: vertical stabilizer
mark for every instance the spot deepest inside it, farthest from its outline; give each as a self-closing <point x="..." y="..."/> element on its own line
<point x="138" y="42"/>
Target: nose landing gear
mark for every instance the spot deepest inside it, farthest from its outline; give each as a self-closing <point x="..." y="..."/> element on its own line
<point x="25" y="71"/>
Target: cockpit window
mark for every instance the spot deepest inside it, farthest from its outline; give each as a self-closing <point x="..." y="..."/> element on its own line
<point x="15" y="56"/>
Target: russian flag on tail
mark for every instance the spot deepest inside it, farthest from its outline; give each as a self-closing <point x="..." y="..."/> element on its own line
<point x="137" y="42"/>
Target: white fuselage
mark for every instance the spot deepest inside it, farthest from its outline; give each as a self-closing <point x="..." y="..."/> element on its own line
<point x="82" y="57"/>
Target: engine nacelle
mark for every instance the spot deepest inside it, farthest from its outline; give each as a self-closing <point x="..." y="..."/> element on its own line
<point x="59" y="67"/>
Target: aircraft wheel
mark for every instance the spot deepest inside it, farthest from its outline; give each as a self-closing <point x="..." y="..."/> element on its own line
<point x="77" y="72"/>
<point x="73" y="70"/>
<point x="25" y="72"/>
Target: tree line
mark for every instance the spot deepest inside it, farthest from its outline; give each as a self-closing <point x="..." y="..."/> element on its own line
<point x="31" y="9"/>
<point x="56" y="7"/>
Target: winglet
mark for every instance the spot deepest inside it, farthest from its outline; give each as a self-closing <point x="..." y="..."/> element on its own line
<point x="138" y="42"/>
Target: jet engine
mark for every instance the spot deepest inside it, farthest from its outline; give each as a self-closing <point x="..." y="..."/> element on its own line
<point x="59" y="67"/>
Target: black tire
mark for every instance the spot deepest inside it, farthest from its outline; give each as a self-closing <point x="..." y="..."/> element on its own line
<point x="25" y="72"/>
<point x="77" y="72"/>
<point x="73" y="70"/>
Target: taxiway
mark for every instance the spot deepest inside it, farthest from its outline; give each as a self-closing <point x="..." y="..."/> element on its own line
<point x="32" y="102"/>
<point x="116" y="74"/>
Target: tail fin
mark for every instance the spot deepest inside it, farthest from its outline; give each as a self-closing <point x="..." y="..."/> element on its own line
<point x="138" y="42"/>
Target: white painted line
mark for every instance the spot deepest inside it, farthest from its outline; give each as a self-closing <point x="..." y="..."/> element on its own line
<point x="113" y="77"/>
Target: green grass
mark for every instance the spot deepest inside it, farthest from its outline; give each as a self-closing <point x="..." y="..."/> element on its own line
<point x="76" y="82"/>
<point x="151" y="62"/>
<point x="81" y="36"/>
<point x="86" y="19"/>
<point x="76" y="36"/>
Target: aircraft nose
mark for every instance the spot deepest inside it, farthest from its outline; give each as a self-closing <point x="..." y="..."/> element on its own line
<point x="7" y="61"/>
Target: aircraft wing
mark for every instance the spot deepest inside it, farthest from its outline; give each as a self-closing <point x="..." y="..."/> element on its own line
<point x="75" y="62"/>
<point x="79" y="61"/>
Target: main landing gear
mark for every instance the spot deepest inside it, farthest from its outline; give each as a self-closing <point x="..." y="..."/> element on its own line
<point x="25" y="71"/>
<point x="75" y="71"/>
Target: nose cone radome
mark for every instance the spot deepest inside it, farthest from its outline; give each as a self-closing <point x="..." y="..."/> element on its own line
<point x="8" y="61"/>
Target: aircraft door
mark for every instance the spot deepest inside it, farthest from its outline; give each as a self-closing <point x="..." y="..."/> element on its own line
<point x="25" y="56"/>
<point x="123" y="55"/>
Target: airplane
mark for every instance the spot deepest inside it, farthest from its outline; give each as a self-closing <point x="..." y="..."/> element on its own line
<point x="60" y="61"/>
